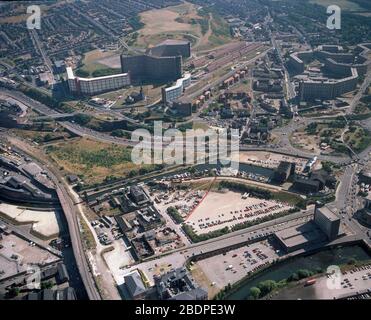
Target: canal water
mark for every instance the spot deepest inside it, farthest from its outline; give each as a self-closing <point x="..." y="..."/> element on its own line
<point x="322" y="259"/>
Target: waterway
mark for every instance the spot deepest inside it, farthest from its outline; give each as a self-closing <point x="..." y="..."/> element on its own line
<point x="320" y="260"/>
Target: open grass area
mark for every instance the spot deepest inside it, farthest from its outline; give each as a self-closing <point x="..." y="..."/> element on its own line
<point x="333" y="135"/>
<point x="87" y="236"/>
<point x="91" y="160"/>
<point x="92" y="66"/>
<point x="311" y="137"/>
<point x="357" y="138"/>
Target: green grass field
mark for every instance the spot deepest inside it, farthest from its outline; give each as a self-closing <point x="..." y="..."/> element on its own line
<point x="91" y="160"/>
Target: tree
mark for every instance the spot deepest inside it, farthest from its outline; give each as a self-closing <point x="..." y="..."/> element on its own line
<point x="267" y="286"/>
<point x="82" y="119"/>
<point x="46" y="285"/>
<point x="303" y="273"/>
<point x="293" y="277"/>
<point x="255" y="293"/>
<point x="352" y="261"/>
<point x="48" y="137"/>
<point x="175" y="215"/>
<point x="327" y="166"/>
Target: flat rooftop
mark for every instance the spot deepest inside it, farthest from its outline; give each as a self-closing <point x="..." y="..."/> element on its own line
<point x="301" y="235"/>
<point x="328" y="213"/>
<point x="71" y="76"/>
<point x="172" y="42"/>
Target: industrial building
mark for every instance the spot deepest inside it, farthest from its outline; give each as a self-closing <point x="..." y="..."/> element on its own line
<point x="174" y="92"/>
<point x="135" y="286"/>
<point x="284" y="171"/>
<point x="325" y="227"/>
<point x="93" y="86"/>
<point x="178" y="285"/>
<point x="305" y="185"/>
<point x="182" y="108"/>
<point x="138" y="195"/>
<point x="25" y="182"/>
<point x="316" y="181"/>
<point x="300" y="237"/>
<point x="327" y="221"/>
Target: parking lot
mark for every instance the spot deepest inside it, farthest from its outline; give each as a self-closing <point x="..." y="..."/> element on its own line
<point x="221" y="209"/>
<point x="235" y="264"/>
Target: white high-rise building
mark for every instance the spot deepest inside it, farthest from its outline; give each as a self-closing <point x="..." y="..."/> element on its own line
<point x="93" y="86"/>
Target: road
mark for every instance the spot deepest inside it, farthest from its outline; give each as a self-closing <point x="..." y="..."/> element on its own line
<point x="349" y="203"/>
<point x="290" y="91"/>
<point x="358" y="96"/>
<point x="284" y="132"/>
<point x="39" y="47"/>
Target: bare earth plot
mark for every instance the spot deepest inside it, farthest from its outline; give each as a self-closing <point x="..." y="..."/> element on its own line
<point x="181" y="22"/>
<point x="98" y="59"/>
<point x="111" y="62"/>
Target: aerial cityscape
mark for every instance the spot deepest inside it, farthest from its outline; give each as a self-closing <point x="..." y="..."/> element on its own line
<point x="185" y="150"/>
